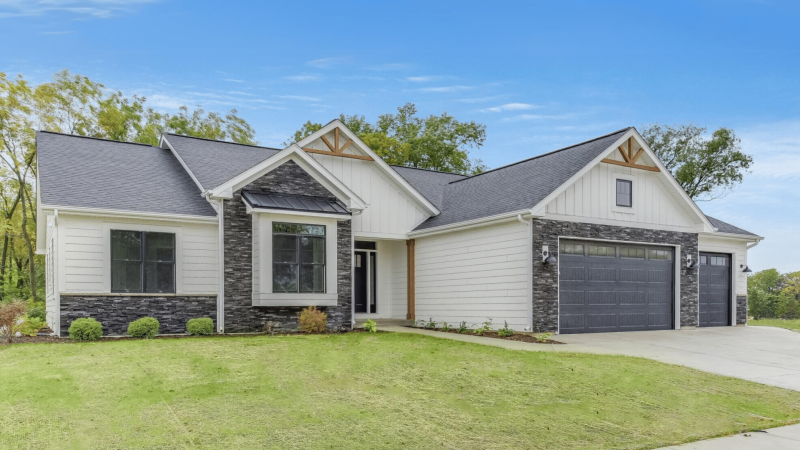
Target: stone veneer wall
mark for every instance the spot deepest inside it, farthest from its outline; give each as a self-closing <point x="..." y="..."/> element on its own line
<point x="115" y="312"/>
<point x="545" y="277"/>
<point x="240" y="314"/>
<point x="741" y="309"/>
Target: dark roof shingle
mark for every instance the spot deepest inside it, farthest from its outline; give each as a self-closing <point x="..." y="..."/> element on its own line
<point x="430" y="183"/>
<point x="725" y="227"/>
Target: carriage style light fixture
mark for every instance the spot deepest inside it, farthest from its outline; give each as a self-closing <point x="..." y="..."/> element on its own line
<point x="746" y="269"/>
<point x="691" y="263"/>
<point x="547" y="257"/>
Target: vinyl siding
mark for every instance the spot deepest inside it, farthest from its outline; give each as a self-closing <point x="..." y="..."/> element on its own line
<point x="85" y="257"/>
<point x="473" y="275"/>
<point x="399" y="277"/>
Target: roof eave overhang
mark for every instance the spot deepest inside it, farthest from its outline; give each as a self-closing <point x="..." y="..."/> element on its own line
<point x="120" y="213"/>
<point x="458" y="226"/>
<point x="743" y="237"/>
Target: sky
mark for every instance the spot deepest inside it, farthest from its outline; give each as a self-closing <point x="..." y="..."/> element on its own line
<point x="539" y="75"/>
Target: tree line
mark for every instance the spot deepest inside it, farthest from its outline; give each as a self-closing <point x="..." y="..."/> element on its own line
<point x="774" y="295"/>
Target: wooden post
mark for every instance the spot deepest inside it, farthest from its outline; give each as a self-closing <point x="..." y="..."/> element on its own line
<point x="410" y="279"/>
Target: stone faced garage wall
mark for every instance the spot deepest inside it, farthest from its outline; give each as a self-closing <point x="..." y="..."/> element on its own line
<point x="240" y="314"/>
<point x="545" y="277"/>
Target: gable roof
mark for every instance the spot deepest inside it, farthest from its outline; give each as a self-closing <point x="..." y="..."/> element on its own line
<point x="212" y="163"/>
<point x="725" y="227"/>
<point x="430" y="183"/>
<point x="517" y="186"/>
<point x="84" y="172"/>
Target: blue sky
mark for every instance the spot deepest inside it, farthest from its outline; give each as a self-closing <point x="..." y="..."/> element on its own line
<point x="540" y="75"/>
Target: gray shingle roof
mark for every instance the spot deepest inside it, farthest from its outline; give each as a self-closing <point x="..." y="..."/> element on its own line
<point x="274" y="200"/>
<point x="725" y="227"/>
<point x="517" y="186"/>
<point x="215" y="162"/>
<point x="430" y="183"/>
<point x="95" y="173"/>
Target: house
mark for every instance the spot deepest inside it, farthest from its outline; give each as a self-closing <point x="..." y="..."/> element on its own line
<point x="593" y="237"/>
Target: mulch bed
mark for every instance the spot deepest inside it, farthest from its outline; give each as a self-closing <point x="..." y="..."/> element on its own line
<point x="493" y="334"/>
<point x="66" y="340"/>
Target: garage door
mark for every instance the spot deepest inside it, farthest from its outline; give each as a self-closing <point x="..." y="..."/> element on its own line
<point x="715" y="290"/>
<point x="611" y="287"/>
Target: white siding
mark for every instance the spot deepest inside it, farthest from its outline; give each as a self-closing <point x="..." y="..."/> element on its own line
<point x="399" y="279"/>
<point x="737" y="248"/>
<point x="592" y="198"/>
<point x="51" y="291"/>
<point x="474" y="274"/>
<point x="85" y="253"/>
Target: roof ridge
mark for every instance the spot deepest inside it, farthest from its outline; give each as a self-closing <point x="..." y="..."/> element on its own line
<point x="222" y="142"/>
<point x="543" y="155"/>
<point x="429" y="170"/>
<point x="96" y="138"/>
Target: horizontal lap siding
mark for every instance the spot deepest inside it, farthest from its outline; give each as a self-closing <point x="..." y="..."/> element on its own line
<point x="83" y="246"/>
<point x="473" y="275"/>
<point x="399" y="278"/>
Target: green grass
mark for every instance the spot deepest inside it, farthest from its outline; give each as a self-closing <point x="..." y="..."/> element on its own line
<point x="793" y="325"/>
<point x="362" y="391"/>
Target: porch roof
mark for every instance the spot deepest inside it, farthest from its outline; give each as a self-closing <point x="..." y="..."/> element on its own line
<point x="290" y="202"/>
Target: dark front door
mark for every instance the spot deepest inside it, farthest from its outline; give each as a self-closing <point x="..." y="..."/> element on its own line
<point x="715" y="290"/>
<point x="360" y="282"/>
<point x="612" y="287"/>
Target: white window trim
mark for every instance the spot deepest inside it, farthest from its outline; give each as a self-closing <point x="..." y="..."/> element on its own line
<point x="177" y="231"/>
<point x="263" y="295"/>
<point x="612" y="192"/>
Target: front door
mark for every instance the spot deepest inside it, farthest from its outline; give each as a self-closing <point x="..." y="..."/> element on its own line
<point x="715" y="289"/>
<point x="360" y="282"/>
<point x="365" y="278"/>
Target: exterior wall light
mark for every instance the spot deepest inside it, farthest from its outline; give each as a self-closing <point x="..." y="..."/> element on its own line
<point x="746" y="269"/>
<point x="547" y="257"/>
<point x="691" y="263"/>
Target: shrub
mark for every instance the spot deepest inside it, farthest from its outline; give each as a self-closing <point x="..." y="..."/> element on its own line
<point x="31" y="325"/>
<point x="505" y="331"/>
<point x="431" y="324"/>
<point x="484" y="328"/>
<point x="542" y="337"/>
<point x="370" y="326"/>
<point x="463" y="328"/>
<point x="313" y="320"/>
<point x="86" y="329"/>
<point x="145" y="328"/>
<point x="203" y="326"/>
<point x="38" y="313"/>
<point x="445" y="327"/>
<point x="12" y="315"/>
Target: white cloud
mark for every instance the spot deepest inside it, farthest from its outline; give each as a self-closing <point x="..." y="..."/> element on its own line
<point x="424" y="79"/>
<point x="480" y="99"/>
<point x="165" y="101"/>
<point x="99" y="9"/>
<point x="303" y="77"/>
<point x="444" y="89"/>
<point x="324" y="63"/>
<point x="299" y="97"/>
<point x="233" y="80"/>
<point x="511" y="107"/>
<point x="523" y="117"/>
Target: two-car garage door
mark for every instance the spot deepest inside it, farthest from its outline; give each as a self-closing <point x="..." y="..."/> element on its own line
<point x="614" y="287"/>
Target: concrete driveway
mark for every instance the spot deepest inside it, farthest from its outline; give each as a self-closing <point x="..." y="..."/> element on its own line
<point x="762" y="354"/>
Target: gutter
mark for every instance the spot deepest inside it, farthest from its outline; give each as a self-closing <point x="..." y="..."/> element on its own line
<point x="85" y="211"/>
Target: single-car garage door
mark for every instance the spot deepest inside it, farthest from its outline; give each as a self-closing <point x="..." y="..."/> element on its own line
<point x="613" y="287"/>
<point x="715" y="290"/>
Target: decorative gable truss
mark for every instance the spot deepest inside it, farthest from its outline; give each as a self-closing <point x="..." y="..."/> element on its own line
<point x="629" y="157"/>
<point x="334" y="149"/>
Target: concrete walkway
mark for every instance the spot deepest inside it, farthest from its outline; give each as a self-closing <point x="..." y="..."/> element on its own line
<point x="783" y="438"/>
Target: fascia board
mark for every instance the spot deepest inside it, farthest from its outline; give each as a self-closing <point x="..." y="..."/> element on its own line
<point x="134" y="215"/>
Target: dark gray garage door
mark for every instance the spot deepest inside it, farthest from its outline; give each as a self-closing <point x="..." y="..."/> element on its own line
<point x="715" y="290"/>
<point x="611" y="287"/>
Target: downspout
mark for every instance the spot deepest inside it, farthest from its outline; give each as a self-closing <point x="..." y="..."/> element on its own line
<point x="529" y="272"/>
<point x="56" y="289"/>
<point x="221" y="268"/>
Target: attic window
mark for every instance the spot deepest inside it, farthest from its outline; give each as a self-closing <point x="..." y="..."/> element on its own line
<point x="624" y="193"/>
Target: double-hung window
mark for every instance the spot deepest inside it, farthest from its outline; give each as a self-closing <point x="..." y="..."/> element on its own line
<point x="625" y="193"/>
<point x="142" y="261"/>
<point x="298" y="258"/>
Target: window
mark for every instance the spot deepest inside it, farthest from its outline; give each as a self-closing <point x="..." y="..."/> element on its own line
<point x="663" y="255"/>
<point x="365" y="245"/>
<point x="624" y="193"/>
<point x="603" y="250"/>
<point x="703" y="260"/>
<point x="142" y="261"/>
<point x="298" y="258"/>
<point x="632" y="253"/>
<point x="718" y="260"/>
<point x="572" y="249"/>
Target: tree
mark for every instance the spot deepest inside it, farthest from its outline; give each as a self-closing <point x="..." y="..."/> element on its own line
<point x="763" y="293"/>
<point x="706" y="168"/>
<point x="435" y="143"/>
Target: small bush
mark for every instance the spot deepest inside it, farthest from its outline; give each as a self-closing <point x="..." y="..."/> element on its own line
<point x="31" y="325"/>
<point x="445" y="327"/>
<point x="505" y="331"/>
<point x="86" y="329"/>
<point x="463" y="328"/>
<point x="370" y="326"/>
<point x="38" y="313"/>
<point x="313" y="320"/>
<point x="145" y="328"/>
<point x="12" y="315"/>
<point x="542" y="337"/>
<point x="203" y="326"/>
<point x="484" y="328"/>
<point x="431" y="324"/>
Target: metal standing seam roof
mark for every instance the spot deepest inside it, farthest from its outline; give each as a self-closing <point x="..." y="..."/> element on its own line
<point x="215" y="162"/>
<point x="88" y="172"/>
<point x="304" y="203"/>
<point x="517" y="186"/>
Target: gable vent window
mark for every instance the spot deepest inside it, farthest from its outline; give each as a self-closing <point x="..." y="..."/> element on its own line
<point x="298" y="258"/>
<point x="624" y="193"/>
<point x="142" y="261"/>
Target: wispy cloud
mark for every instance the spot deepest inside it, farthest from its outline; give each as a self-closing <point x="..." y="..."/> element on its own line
<point x="445" y="89"/>
<point x="57" y="32"/>
<point x="324" y="63"/>
<point x="233" y="80"/>
<point x="389" y="67"/>
<point x="523" y="117"/>
<point x="480" y="99"/>
<point x="511" y="107"/>
<point x="99" y="9"/>
<point x="303" y="77"/>
<point x="301" y="98"/>
<point x="424" y="79"/>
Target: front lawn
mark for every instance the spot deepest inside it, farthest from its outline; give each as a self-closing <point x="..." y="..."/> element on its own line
<point x="793" y="325"/>
<point x="362" y="391"/>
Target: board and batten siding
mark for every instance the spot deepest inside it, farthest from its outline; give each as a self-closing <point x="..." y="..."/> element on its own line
<point x="593" y="198"/>
<point x="737" y="249"/>
<point x="84" y="253"/>
<point x="390" y="211"/>
<point x="473" y="275"/>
